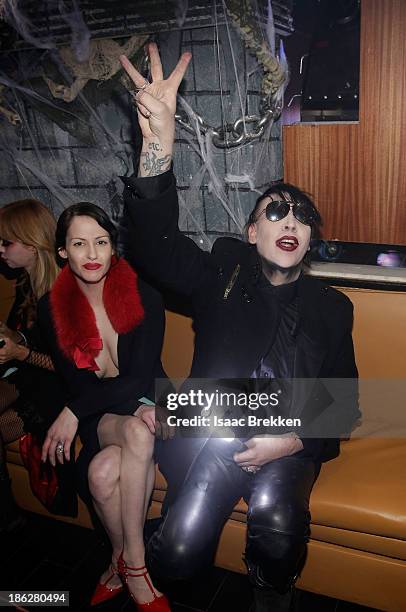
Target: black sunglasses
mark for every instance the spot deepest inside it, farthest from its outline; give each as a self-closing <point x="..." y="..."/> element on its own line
<point x="276" y="210"/>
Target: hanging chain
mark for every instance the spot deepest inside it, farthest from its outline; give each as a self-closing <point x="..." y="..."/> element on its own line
<point x="231" y="134"/>
<point x="244" y="130"/>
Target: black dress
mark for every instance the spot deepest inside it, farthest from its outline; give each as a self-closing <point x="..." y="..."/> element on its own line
<point x="42" y="393"/>
<point x="90" y="397"/>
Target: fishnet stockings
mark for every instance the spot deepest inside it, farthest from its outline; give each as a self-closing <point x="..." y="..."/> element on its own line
<point x="41" y="360"/>
<point x="11" y="428"/>
<point x="8" y="395"/>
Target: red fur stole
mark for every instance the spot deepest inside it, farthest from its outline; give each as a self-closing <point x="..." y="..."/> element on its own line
<point x="75" y="323"/>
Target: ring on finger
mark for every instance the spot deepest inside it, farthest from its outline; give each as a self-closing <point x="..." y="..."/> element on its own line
<point x="59" y="447"/>
<point x="145" y="84"/>
<point x="251" y="469"/>
<point x="137" y="89"/>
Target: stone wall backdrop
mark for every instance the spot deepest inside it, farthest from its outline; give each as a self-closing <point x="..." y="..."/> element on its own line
<point x="41" y="160"/>
<point x="72" y="143"/>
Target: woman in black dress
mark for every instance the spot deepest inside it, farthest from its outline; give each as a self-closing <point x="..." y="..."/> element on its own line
<point x="105" y="328"/>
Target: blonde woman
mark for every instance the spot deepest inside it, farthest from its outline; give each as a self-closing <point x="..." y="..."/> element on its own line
<point x="30" y="391"/>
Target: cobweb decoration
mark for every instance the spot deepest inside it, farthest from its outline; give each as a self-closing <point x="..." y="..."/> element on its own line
<point x="270" y="29"/>
<point x="181" y="9"/>
<point x="61" y="196"/>
<point x="62" y="152"/>
<point x="101" y="65"/>
<point x="74" y="146"/>
<point x="38" y="159"/>
<point x="244" y="15"/>
<point x="80" y="33"/>
<point x="15" y="17"/>
<point x="206" y="151"/>
<point x="6" y="109"/>
<point x="232" y="67"/>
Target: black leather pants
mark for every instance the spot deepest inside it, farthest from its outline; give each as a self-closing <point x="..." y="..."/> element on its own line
<point x="278" y="516"/>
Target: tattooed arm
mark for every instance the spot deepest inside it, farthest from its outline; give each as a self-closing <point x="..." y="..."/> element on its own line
<point x="153" y="159"/>
<point x="156" y="106"/>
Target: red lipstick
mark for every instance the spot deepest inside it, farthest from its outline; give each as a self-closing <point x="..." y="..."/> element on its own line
<point x="287" y="243"/>
<point x="92" y="266"/>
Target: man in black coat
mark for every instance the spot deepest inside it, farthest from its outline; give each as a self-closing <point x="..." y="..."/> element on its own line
<point x="257" y="318"/>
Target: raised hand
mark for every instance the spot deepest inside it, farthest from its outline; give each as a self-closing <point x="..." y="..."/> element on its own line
<point x="156" y="106"/>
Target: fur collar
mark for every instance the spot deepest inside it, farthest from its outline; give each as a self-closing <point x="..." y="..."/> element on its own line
<point x="75" y="323"/>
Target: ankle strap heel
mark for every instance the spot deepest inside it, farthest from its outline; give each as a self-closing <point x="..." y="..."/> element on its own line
<point x="158" y="603"/>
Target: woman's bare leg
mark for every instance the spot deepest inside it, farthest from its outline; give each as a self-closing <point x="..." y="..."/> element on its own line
<point x="136" y="479"/>
<point x="104" y="484"/>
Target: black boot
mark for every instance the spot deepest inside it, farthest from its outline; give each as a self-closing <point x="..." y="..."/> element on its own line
<point x="11" y="518"/>
<point x="269" y="600"/>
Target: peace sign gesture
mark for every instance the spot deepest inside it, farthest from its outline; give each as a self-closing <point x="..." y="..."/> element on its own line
<point x="156" y="101"/>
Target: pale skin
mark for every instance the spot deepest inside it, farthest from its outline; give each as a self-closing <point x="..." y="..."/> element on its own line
<point x="156" y="105"/>
<point x="265" y="235"/>
<point x="16" y="255"/>
<point x="122" y="474"/>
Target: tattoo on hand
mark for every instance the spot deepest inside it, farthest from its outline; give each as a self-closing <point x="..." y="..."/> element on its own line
<point x="154" y="165"/>
<point x="154" y="146"/>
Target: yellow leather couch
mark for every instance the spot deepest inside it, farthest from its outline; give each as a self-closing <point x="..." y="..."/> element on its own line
<point x="357" y="550"/>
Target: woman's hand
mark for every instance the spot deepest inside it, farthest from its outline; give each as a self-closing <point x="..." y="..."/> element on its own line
<point x="155" y="417"/>
<point x="60" y="436"/>
<point x="156" y="105"/>
<point x="147" y="415"/>
<point x="262" y="450"/>
<point x="6" y="332"/>
<point x="163" y="430"/>
<point x="11" y="350"/>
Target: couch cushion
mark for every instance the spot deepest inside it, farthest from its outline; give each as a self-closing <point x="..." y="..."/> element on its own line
<point x="379" y="545"/>
<point x="364" y="489"/>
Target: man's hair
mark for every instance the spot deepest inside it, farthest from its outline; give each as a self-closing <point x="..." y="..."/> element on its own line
<point x="288" y="192"/>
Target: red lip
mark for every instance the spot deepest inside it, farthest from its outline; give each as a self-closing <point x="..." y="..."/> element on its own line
<point x="287" y="243"/>
<point x="92" y="266"/>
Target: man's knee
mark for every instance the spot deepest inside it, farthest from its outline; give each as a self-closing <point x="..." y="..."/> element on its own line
<point x="104" y="473"/>
<point x="278" y="522"/>
<point x="184" y="544"/>
<point x="280" y="517"/>
<point x="277" y="530"/>
<point x="279" y="500"/>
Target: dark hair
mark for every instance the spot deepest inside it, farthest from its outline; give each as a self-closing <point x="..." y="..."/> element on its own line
<point x="84" y="209"/>
<point x="286" y="191"/>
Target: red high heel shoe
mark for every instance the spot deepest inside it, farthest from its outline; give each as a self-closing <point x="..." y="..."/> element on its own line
<point x="103" y="592"/>
<point x="158" y="604"/>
